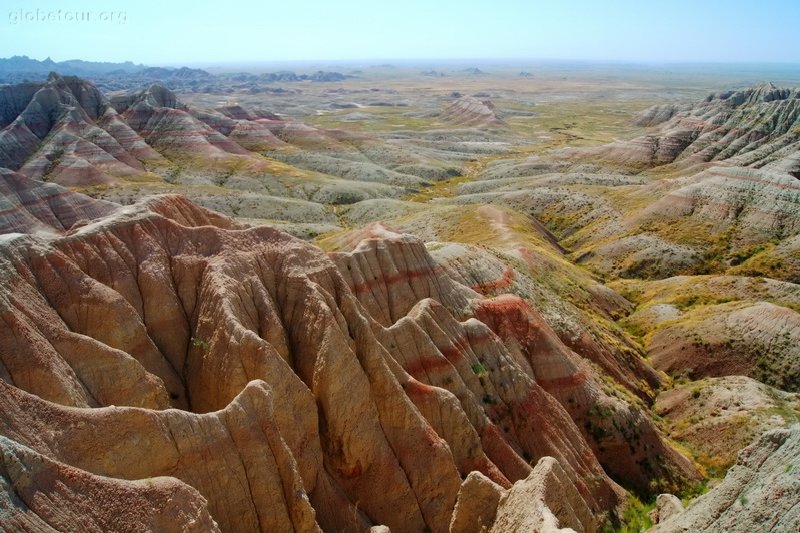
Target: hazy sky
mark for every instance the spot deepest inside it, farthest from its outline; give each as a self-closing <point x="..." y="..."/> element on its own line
<point x="159" y="32"/>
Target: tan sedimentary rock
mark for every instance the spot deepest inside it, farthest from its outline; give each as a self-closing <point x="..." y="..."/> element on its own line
<point x="547" y="502"/>
<point x="160" y="305"/>
<point x="39" y="494"/>
<point x="471" y="111"/>
<point x="30" y="206"/>
<point x="477" y="504"/>
<point x="667" y="505"/>
<point x="718" y="417"/>
<point x="236" y="458"/>
<point x="376" y="369"/>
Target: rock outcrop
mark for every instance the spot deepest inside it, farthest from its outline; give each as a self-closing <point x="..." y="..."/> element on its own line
<point x="29" y="206"/>
<point x="183" y="132"/>
<point x="471" y="111"/>
<point x="477" y="504"/>
<point x="622" y="437"/>
<point x="667" y="505"/>
<point x="43" y="495"/>
<point x="235" y="458"/>
<point x="546" y="501"/>
<point x="147" y="328"/>
<point x="66" y="130"/>
<point x="755" y="127"/>
<point x="758" y="494"/>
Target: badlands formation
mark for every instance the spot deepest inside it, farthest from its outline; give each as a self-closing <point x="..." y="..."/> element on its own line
<point x="371" y="308"/>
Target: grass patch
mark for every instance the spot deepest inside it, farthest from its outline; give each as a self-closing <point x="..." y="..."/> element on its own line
<point x="636" y="518"/>
<point x="479" y="369"/>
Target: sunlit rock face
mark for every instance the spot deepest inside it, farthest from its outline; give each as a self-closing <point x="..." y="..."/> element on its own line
<point x="270" y="386"/>
<point x="758" y="493"/>
<point x="66" y="131"/>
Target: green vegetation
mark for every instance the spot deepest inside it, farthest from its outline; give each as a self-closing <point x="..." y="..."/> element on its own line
<point x="688" y="301"/>
<point x="384" y="119"/>
<point x="585" y="122"/>
<point x="636" y="518"/>
<point x="480" y="370"/>
<point x="200" y="343"/>
<point x="698" y="489"/>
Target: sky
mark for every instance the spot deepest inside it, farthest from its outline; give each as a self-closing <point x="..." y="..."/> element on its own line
<point x="177" y="32"/>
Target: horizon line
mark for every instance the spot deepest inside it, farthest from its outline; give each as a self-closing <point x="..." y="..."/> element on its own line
<point x="385" y="61"/>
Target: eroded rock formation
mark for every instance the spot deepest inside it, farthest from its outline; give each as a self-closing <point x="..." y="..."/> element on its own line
<point x="28" y="206"/>
<point x="65" y="130"/>
<point x="471" y="111"/>
<point x="130" y="346"/>
<point x="43" y="495"/>
<point x="758" y="494"/>
<point x="754" y="127"/>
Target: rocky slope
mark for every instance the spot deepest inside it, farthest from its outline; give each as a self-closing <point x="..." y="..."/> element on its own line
<point x="242" y="160"/>
<point x="305" y="382"/>
<point x="542" y="502"/>
<point x="471" y="111"/>
<point x="744" y="144"/>
<point x="43" y="495"/>
<point x="711" y="186"/>
<point x="699" y="326"/>
<point x="66" y="128"/>
<point x="28" y="206"/>
<point x="719" y="197"/>
<point x="758" y="494"/>
<point x="754" y="127"/>
<point x="717" y="417"/>
<point x="186" y="337"/>
<point x="759" y="340"/>
<point x="554" y="320"/>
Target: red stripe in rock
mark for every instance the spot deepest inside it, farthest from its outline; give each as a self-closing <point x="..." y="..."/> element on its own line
<point x="34" y="202"/>
<point x="395" y="278"/>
